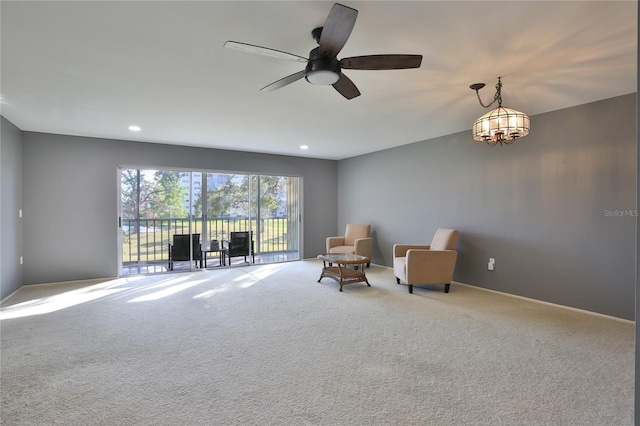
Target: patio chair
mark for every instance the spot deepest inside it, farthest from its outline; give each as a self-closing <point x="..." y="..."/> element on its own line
<point x="179" y="249"/>
<point x="239" y="245"/>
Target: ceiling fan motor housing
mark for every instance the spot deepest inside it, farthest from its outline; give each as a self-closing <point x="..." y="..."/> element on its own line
<point x="322" y="70"/>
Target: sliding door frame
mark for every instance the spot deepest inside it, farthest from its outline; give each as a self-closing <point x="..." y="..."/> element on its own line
<point x="253" y="207"/>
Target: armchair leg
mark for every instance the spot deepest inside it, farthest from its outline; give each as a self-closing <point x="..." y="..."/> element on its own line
<point x="397" y="280"/>
<point x="446" y="287"/>
<point x="410" y="289"/>
<point x="368" y="264"/>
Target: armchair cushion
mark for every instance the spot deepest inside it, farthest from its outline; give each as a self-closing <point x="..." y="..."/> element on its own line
<point x="354" y="232"/>
<point x="335" y="242"/>
<point x="444" y="239"/>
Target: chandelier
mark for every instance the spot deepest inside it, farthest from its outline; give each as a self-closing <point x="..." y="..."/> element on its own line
<point x="501" y="125"/>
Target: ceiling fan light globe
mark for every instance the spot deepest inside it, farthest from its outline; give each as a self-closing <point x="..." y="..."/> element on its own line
<point x="322" y="77"/>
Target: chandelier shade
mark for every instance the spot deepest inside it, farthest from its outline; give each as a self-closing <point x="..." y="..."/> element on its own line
<point x="501" y="125"/>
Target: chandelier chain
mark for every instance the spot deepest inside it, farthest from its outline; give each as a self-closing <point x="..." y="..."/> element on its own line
<point x="496" y="97"/>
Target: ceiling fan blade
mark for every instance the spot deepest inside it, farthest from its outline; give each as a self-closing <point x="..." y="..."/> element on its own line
<point x="250" y="48"/>
<point x="346" y="87"/>
<point x="336" y="29"/>
<point x="283" y="82"/>
<point x="381" y="62"/>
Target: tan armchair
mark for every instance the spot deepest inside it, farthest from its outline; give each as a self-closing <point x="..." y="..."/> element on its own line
<point x="417" y="264"/>
<point x="356" y="240"/>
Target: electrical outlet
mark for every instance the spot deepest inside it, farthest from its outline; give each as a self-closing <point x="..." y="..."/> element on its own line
<point x="492" y="264"/>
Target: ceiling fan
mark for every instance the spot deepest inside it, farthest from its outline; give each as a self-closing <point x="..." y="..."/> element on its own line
<point x="323" y="66"/>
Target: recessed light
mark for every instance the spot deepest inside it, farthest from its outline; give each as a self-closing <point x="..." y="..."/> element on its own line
<point x="304" y="147"/>
<point x="135" y="128"/>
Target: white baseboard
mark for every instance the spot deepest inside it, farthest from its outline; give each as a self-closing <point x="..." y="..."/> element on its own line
<point x="85" y="282"/>
<point x="540" y="301"/>
<point x="14" y="292"/>
<point x="584" y="311"/>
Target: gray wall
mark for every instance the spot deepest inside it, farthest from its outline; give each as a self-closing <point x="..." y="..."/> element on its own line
<point x="70" y="198"/>
<point x="556" y="209"/>
<point x="637" y="234"/>
<point x="10" y="202"/>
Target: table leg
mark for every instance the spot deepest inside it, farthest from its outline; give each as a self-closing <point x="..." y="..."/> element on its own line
<point x="340" y="271"/>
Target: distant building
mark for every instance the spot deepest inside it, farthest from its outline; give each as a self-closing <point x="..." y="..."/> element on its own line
<point x="214" y="181"/>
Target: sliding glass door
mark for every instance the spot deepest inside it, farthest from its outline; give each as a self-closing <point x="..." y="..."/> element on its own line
<point x="276" y="206"/>
<point x="265" y="206"/>
<point x="214" y="211"/>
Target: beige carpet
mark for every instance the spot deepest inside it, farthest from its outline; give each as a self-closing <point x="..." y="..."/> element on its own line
<point x="268" y="345"/>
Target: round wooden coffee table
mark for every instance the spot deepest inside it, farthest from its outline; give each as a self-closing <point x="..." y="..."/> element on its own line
<point x="341" y="273"/>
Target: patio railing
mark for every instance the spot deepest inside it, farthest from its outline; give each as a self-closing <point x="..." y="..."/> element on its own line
<point x="147" y="240"/>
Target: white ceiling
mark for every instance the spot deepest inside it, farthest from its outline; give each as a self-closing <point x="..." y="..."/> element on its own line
<point x="93" y="68"/>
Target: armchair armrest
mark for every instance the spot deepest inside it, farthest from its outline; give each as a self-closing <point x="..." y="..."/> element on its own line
<point x="430" y="267"/>
<point x="364" y="247"/>
<point x="334" y="242"/>
<point x="400" y="250"/>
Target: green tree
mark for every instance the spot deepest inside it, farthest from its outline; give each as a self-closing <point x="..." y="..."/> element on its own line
<point x="222" y="198"/>
<point x="136" y="195"/>
<point x="271" y="191"/>
<point x="167" y="197"/>
<point x="146" y="197"/>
